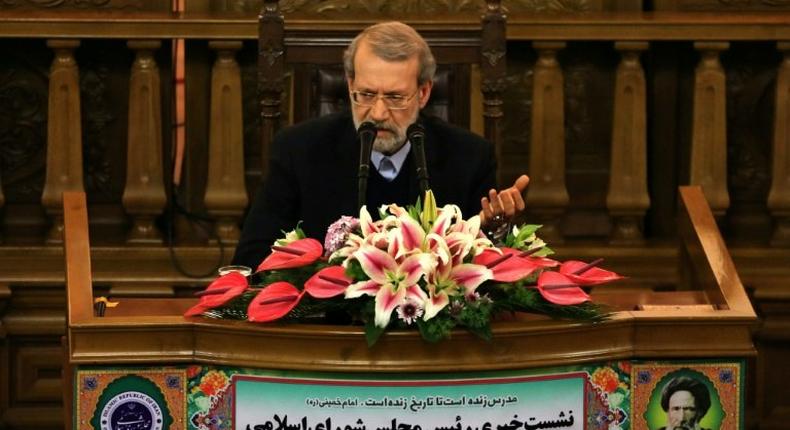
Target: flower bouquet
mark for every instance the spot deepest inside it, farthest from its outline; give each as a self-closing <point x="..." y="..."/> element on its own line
<point x="419" y="266"/>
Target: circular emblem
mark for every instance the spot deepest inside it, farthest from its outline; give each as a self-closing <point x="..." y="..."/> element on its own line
<point x="131" y="410"/>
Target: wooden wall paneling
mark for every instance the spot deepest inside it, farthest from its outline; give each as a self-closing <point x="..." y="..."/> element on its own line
<point x="628" y="198"/>
<point x="271" y="66"/>
<point x="226" y="195"/>
<point x="772" y="339"/>
<point x="64" y="134"/>
<point x="547" y="196"/>
<point x="779" y="194"/>
<point x="709" y="127"/>
<point x="144" y="196"/>
<point x="493" y="67"/>
<point x="34" y="322"/>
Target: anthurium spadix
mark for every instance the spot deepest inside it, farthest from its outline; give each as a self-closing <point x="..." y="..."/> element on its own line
<point x="560" y="290"/>
<point x="296" y="254"/>
<point x="273" y="302"/>
<point x="587" y="273"/>
<point x="390" y="282"/>
<point x="224" y="289"/>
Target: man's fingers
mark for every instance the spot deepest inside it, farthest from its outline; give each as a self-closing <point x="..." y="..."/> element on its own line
<point x="521" y="183"/>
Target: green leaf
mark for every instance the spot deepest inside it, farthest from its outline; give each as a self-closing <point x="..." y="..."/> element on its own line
<point x="435" y="329"/>
<point x="373" y="332"/>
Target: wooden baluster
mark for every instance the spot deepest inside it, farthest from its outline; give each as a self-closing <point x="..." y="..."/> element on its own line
<point x="226" y="195"/>
<point x="271" y="73"/>
<point x="709" y="128"/>
<point x="779" y="194"/>
<point x="547" y="196"/>
<point x="144" y="196"/>
<point x="493" y="68"/>
<point x="64" y="135"/>
<point x="628" y="198"/>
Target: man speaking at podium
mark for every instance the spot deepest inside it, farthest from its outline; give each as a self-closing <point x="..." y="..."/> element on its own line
<point x="315" y="173"/>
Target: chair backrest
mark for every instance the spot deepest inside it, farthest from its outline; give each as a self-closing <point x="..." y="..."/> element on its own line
<point x="301" y="46"/>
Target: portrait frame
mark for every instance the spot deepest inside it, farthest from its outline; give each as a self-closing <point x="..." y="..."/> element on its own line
<point x="724" y="381"/>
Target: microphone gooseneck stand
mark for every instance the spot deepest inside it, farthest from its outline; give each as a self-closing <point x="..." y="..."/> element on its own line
<point x="366" y="134"/>
<point x="416" y="135"/>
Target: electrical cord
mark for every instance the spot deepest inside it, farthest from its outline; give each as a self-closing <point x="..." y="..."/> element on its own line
<point x="198" y="220"/>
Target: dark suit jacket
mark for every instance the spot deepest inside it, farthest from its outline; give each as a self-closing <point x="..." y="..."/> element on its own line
<point x="313" y="178"/>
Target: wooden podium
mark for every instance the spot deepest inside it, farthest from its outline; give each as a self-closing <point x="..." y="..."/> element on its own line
<point x="709" y="317"/>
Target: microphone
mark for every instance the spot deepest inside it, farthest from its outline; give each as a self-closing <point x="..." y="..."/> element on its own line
<point x="416" y="135"/>
<point x="367" y="134"/>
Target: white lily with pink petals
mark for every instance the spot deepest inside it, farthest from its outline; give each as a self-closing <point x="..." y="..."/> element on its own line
<point x="449" y="279"/>
<point x="391" y="282"/>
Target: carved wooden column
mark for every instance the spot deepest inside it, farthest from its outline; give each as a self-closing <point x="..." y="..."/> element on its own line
<point x="779" y="194"/>
<point x="709" y="128"/>
<point x="64" y="134"/>
<point x="144" y="195"/>
<point x="271" y="73"/>
<point x="628" y="198"/>
<point x="547" y="196"/>
<point x="494" y="70"/>
<point x="226" y="195"/>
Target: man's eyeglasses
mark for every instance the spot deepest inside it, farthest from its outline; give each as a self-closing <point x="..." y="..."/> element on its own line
<point x="392" y="101"/>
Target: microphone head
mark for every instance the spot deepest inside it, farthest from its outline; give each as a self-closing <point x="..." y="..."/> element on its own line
<point x="367" y="128"/>
<point x="415" y="131"/>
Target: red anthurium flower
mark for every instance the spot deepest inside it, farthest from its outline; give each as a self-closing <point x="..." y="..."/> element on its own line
<point x="587" y="274"/>
<point x="560" y="290"/>
<point x="221" y="291"/>
<point x="296" y="254"/>
<point x="273" y="302"/>
<point x="328" y="282"/>
<point x="507" y="266"/>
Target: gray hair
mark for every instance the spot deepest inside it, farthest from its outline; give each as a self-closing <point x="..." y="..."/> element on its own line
<point x="393" y="41"/>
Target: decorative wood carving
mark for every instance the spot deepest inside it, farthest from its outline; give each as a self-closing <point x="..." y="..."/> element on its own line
<point x="547" y="196"/>
<point x="271" y="67"/>
<point x="493" y="68"/>
<point x="554" y="6"/>
<point x="779" y="194"/>
<point x="64" y="135"/>
<point x="709" y="127"/>
<point x="380" y="8"/>
<point x="24" y="83"/>
<point x="99" y="114"/>
<point x="226" y="196"/>
<point x="628" y="198"/>
<point x="144" y="195"/>
<point x="84" y="4"/>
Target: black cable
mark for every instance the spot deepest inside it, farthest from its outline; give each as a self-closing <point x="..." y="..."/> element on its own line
<point x="195" y="220"/>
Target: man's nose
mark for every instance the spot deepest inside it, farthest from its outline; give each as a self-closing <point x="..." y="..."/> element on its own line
<point x="379" y="111"/>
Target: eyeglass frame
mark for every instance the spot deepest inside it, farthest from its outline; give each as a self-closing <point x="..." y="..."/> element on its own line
<point x="384" y="97"/>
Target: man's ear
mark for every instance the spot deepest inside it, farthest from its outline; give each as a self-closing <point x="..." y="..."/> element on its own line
<point x="425" y="93"/>
<point x="350" y="82"/>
